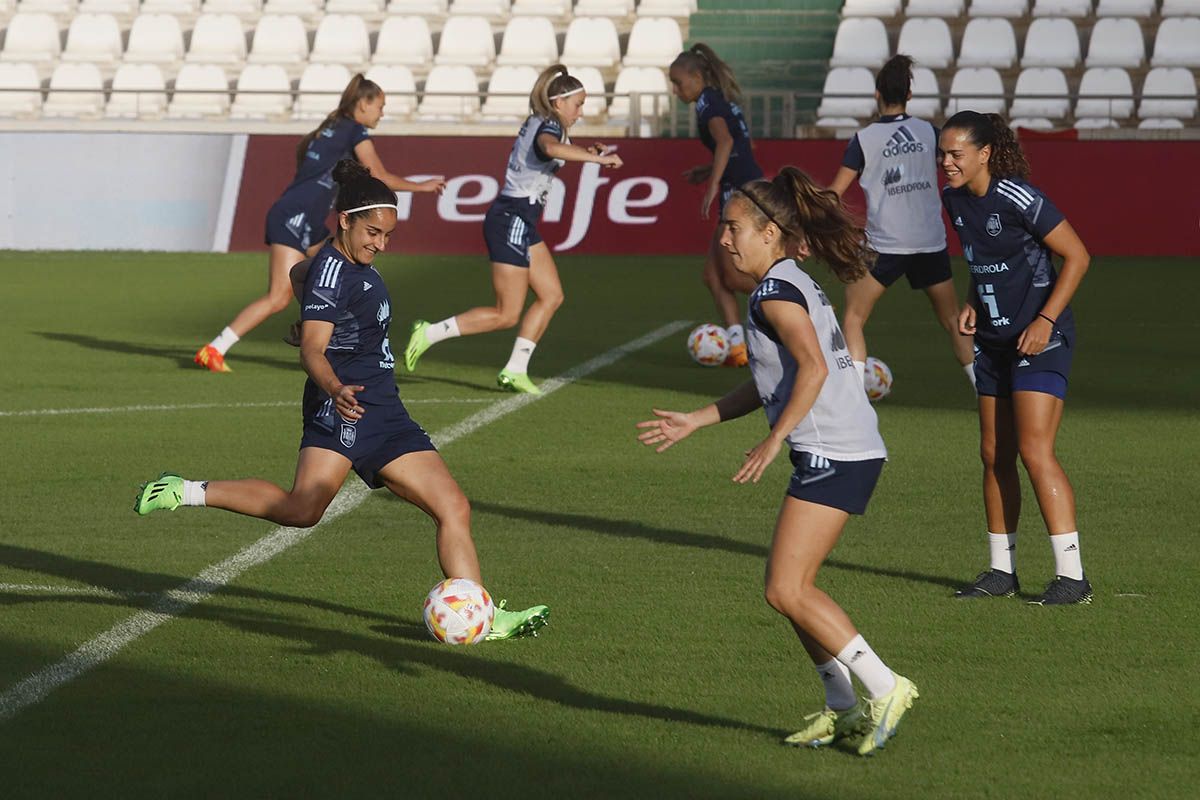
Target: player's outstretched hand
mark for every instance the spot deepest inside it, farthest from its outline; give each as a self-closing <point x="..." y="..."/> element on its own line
<point x="669" y="428"/>
<point x="346" y="402"/>
<point x="966" y="320"/>
<point x="757" y="460"/>
<point x="434" y="184"/>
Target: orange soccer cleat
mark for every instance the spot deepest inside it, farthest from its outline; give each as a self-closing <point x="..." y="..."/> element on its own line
<point x="211" y="359"/>
<point x="737" y="356"/>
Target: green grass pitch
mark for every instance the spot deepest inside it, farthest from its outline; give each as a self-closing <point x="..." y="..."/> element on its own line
<point x="663" y="673"/>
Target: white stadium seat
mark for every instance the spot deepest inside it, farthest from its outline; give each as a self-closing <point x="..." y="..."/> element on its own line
<point x="201" y="90"/>
<point x="508" y="93"/>
<point x="404" y="40"/>
<point x="860" y="42"/>
<point x="591" y="42"/>
<point x="155" y="39"/>
<point x="603" y="8"/>
<point x="1062" y="8"/>
<point x="124" y="10"/>
<point x="56" y="8"/>
<point x="494" y="9"/>
<point x="20" y="90"/>
<point x="553" y="9"/>
<point x="186" y="9"/>
<point x="138" y="90"/>
<point x="399" y="86"/>
<point x="247" y="11"/>
<point x="218" y="39"/>
<point x="976" y="89"/>
<point x="432" y="8"/>
<point x="1093" y="123"/>
<point x="596" y="105"/>
<point x="998" y="8"/>
<point x="279" y="39"/>
<point x="653" y="93"/>
<point x="1116" y="42"/>
<point x="1177" y="43"/>
<point x="933" y="8"/>
<point x="856" y="84"/>
<point x="263" y="90"/>
<point x="988" y="43"/>
<point x="530" y="41"/>
<point x="1105" y="93"/>
<point x="653" y="42"/>
<point x="76" y="90"/>
<point x="1180" y="8"/>
<point x="366" y="8"/>
<point x="1051" y="42"/>
<point x="1033" y="123"/>
<point x="1041" y="92"/>
<point x="341" y="39"/>
<point x="868" y="8"/>
<point x="1156" y="123"/>
<point x="32" y="38"/>
<point x="466" y="41"/>
<point x="451" y="94"/>
<point x="682" y="9"/>
<point x="307" y="9"/>
<point x="927" y="41"/>
<point x="321" y="86"/>
<point x="1168" y="92"/>
<point x="1125" y="8"/>
<point x="95" y="38"/>
<point x="926" y="101"/>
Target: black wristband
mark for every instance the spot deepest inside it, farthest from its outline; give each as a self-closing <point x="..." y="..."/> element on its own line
<point x="1051" y="321"/>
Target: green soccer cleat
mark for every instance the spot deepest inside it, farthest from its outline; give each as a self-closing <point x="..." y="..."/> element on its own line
<point x="164" y="494"/>
<point x="418" y="343"/>
<point x="827" y="726"/>
<point x="516" y="382"/>
<point x="885" y="714"/>
<point x="512" y="624"/>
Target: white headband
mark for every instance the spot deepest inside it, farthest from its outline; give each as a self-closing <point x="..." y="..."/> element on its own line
<point x="376" y="205"/>
<point x="566" y="94"/>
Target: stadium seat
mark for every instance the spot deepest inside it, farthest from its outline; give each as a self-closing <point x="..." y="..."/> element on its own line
<point x="653" y="94"/>
<point x="844" y="127"/>
<point x="857" y="87"/>
<point x="451" y="94"/>
<point x="76" y="90"/>
<point x="263" y="90"/>
<point x="431" y="8"/>
<point x="1180" y="8"/>
<point x="883" y="9"/>
<point x="551" y="9"/>
<point x="1161" y="124"/>
<point x="493" y="9"/>
<point x="682" y="9"/>
<point x="201" y="90"/>
<point x="1032" y="123"/>
<point x="341" y="39"/>
<point x="279" y="39"/>
<point x="998" y="8"/>
<point x="1062" y="8"/>
<point x="508" y="93"/>
<point x="466" y="41"/>
<point x="1177" y="43"/>
<point x="94" y="38"/>
<point x="926" y="101"/>
<point x="1125" y="8"/>
<point x="933" y="8"/>
<point x="305" y="9"/>
<point x="56" y="8"/>
<point x="1104" y="93"/>
<point x="404" y="40"/>
<point x="138" y="90"/>
<point x="1041" y="92"/>
<point x="1092" y="123"/>
<point x="321" y="86"/>
<point x="529" y="41"/>
<point x="596" y="105"/>
<point x="988" y="43"/>
<point x="123" y="10"/>
<point x="186" y="9"/>
<point x="603" y="8"/>
<point x="1116" y="42"/>
<point x="591" y="42"/>
<point x="927" y="41"/>
<point x="31" y="38"/>
<point x="653" y="42"/>
<point x="1051" y="42"/>
<point x="20" y="90"/>
<point x="977" y="89"/>
<point x="1168" y="92"/>
<point x="860" y="42"/>
<point x="155" y="39"/>
<point x="218" y="39"/>
<point x="398" y="84"/>
<point x="247" y="11"/>
<point x="365" y="8"/>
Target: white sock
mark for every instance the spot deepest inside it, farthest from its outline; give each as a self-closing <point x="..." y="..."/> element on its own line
<point x="736" y="335"/>
<point x="1004" y="551"/>
<point x="521" y="353"/>
<point x="225" y="340"/>
<point x="1066" y="555"/>
<point x="867" y="667"/>
<point x="193" y="492"/>
<point x="446" y="329"/>
<point x="861" y="366"/>
<point x="970" y="370"/>
<point x="839" y="691"/>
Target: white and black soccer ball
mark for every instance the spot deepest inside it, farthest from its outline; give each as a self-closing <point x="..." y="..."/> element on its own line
<point x="877" y="379"/>
<point x="708" y="345"/>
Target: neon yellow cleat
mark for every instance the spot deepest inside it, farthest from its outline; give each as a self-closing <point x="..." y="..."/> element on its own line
<point x="418" y="343"/>
<point x="885" y="714"/>
<point x="164" y="494"/>
<point x="827" y="726"/>
<point x="516" y="382"/>
<point x="511" y="624"/>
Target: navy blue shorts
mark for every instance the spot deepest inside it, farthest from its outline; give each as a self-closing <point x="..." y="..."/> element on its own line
<point x="294" y="227"/>
<point x="922" y="269"/>
<point x="510" y="229"/>
<point x="845" y="485"/>
<point x="379" y="437"/>
<point x="1001" y="371"/>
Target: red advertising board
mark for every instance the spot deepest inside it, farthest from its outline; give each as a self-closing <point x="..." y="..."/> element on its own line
<point x="1124" y="198"/>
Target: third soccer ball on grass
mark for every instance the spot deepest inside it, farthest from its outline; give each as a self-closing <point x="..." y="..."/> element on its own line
<point x="708" y="345"/>
<point x="877" y="379"/>
<point x="459" y="611"/>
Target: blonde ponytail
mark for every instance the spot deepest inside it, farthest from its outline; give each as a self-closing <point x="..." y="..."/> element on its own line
<point x="554" y="81"/>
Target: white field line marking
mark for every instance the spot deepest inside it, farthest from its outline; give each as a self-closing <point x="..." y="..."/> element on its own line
<point x="89" y="591"/>
<point x="46" y="412"/>
<point x="176" y="601"/>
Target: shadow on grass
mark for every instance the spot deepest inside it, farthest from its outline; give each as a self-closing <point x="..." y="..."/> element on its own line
<point x="173" y="354"/>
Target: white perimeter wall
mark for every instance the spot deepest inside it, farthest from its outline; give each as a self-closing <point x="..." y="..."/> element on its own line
<point x="118" y="191"/>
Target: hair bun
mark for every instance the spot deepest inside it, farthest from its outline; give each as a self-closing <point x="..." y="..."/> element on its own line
<point x="348" y="170"/>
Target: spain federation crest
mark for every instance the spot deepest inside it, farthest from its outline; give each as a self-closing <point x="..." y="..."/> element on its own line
<point x="348" y="434"/>
<point x="993" y="226"/>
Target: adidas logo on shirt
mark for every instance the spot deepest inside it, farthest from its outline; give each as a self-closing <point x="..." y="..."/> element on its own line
<point x="902" y="142"/>
<point x="366" y="286"/>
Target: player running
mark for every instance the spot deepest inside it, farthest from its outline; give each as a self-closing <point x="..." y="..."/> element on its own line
<point x="895" y="161"/>
<point x="1018" y="311"/>
<point x="520" y="259"/>
<point x="804" y="379"/>
<point x="296" y="223"/>
<point x="353" y="416"/>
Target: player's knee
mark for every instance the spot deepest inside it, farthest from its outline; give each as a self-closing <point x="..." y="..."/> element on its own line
<point x="303" y="516"/>
<point x="786" y="597"/>
<point x="507" y="318"/>
<point x="279" y="301"/>
<point x="1038" y="457"/>
<point x="554" y="299"/>
<point x="455" y="513"/>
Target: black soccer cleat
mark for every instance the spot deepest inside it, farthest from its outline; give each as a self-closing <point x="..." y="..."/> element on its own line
<point x="1063" y="591"/>
<point x="991" y="583"/>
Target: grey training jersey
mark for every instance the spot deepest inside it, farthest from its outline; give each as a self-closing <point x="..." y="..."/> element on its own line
<point x="899" y="177"/>
<point x="530" y="172"/>
<point x="841" y="425"/>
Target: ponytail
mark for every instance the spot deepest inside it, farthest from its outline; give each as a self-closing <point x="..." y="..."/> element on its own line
<point x="553" y="83"/>
<point x="1006" y="159"/>
<point x="358" y="89"/>
<point x="894" y="81"/>
<point x="702" y="59"/>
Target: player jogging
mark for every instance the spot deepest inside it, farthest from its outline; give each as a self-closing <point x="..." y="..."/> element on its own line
<point x="1018" y="311"/>
<point x="353" y="416"/>
<point x="296" y="222"/>
<point x="520" y="259"/>
<point x="699" y="76"/>
<point x="804" y="379"/>
<point x="895" y="161"/>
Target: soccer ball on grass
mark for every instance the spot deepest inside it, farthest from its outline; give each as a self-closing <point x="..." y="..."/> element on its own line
<point x="459" y="611"/>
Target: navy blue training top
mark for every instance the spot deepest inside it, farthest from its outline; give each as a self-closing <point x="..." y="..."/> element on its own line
<point x="313" y="187"/>
<point x="742" y="168"/>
